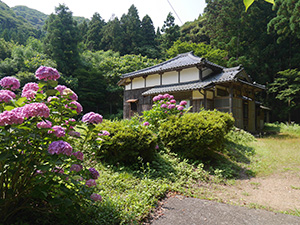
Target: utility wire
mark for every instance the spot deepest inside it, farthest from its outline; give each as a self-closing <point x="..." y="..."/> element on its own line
<point x="175" y="12"/>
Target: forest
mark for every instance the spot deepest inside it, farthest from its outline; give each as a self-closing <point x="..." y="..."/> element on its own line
<point x="92" y="54"/>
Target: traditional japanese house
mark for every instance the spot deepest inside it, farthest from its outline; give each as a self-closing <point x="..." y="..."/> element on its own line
<point x="201" y="83"/>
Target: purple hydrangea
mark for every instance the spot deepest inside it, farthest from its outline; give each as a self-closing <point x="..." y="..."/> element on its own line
<point x="44" y="124"/>
<point x="10" y="117"/>
<point x="94" y="173"/>
<point x="30" y="86"/>
<point x="30" y="94"/>
<point x="46" y="73"/>
<point x="164" y="106"/>
<point x="49" y="99"/>
<point x="90" y="183"/>
<point x="76" y="167"/>
<point x="60" y="147"/>
<point x="180" y="108"/>
<point x="146" y="123"/>
<point x="6" y="95"/>
<point x="35" y="109"/>
<point x="92" y="117"/>
<point x="171" y="106"/>
<point x="58" y="131"/>
<point x="75" y="106"/>
<point x="60" y="88"/>
<point x="11" y="83"/>
<point x="74" y="133"/>
<point x="78" y="155"/>
<point x="96" y="197"/>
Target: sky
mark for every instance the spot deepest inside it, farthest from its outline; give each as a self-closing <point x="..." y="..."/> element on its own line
<point x="187" y="10"/>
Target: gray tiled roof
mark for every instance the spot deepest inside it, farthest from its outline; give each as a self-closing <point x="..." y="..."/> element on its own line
<point x="227" y="75"/>
<point x="181" y="61"/>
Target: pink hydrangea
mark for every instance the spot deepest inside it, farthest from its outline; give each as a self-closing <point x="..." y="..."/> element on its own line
<point x="75" y="106"/>
<point x="180" y="108"/>
<point x="167" y="96"/>
<point x="11" y="117"/>
<point x="60" y="88"/>
<point x="156" y="147"/>
<point x="76" y="167"/>
<point x="146" y="123"/>
<point x="90" y="183"/>
<point x="171" y="106"/>
<point x="183" y="103"/>
<point x="96" y="197"/>
<point x="78" y="155"/>
<point x="156" y="98"/>
<point x="164" y="106"/>
<point x="6" y="95"/>
<point x="30" y="94"/>
<point x="173" y="101"/>
<point x="58" y="131"/>
<point x="94" y="173"/>
<point x="92" y="117"/>
<point x="104" y="133"/>
<point x="71" y="94"/>
<point x="46" y="73"/>
<point x="11" y="83"/>
<point x="171" y="97"/>
<point x="30" y="86"/>
<point x="44" y="124"/>
<point x="36" y="109"/>
<point x="60" y="147"/>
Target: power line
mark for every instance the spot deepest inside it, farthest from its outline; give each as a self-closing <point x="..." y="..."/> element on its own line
<point x="175" y="12"/>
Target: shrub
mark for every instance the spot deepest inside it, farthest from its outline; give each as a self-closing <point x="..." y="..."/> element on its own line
<point x="128" y="140"/>
<point x="196" y="135"/>
<point x="41" y="172"/>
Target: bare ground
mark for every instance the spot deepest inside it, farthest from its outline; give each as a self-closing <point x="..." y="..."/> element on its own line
<point x="277" y="192"/>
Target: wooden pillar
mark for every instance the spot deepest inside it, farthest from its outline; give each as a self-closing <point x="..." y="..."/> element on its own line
<point x="160" y="79"/>
<point x="200" y="73"/>
<point x="205" y="100"/>
<point x="145" y="84"/>
<point x="131" y="79"/>
<point x="230" y="99"/>
<point x="178" y="76"/>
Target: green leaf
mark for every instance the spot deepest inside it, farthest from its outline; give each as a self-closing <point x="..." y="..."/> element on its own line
<point x="8" y="108"/>
<point x="52" y="83"/>
<point x="271" y="1"/>
<point x="20" y="101"/>
<point x="51" y="92"/>
<point x="247" y="3"/>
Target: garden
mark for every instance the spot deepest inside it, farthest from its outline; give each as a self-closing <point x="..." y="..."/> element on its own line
<point x="58" y="166"/>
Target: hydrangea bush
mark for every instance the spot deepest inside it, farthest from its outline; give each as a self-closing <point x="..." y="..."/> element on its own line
<point x="163" y="107"/>
<point x="41" y="170"/>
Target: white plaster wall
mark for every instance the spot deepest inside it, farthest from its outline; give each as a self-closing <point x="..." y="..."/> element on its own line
<point x="137" y="83"/>
<point x="170" y="77"/>
<point x="206" y="72"/>
<point x="153" y="80"/>
<point x="189" y="74"/>
<point x="127" y="87"/>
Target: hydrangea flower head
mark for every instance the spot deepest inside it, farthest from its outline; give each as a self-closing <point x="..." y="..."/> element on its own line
<point x="11" y="83"/>
<point x="11" y="117"/>
<point x="92" y="117"/>
<point x="60" y="147"/>
<point x="94" y="173"/>
<point x="6" y="95"/>
<point x="30" y="86"/>
<point x="71" y="94"/>
<point x="60" y="88"/>
<point x="180" y="108"/>
<point x="44" y="124"/>
<point x="36" y="109"/>
<point x="74" y="133"/>
<point x="183" y="103"/>
<point x="96" y="197"/>
<point x="46" y="73"/>
<point x="75" y="106"/>
<point x="78" y="155"/>
<point x="58" y="131"/>
<point x="171" y="106"/>
<point x="167" y="96"/>
<point x="104" y="133"/>
<point x="30" y="94"/>
<point x="76" y="167"/>
<point x="146" y="123"/>
<point x="164" y="106"/>
<point x="173" y="101"/>
<point x="90" y="183"/>
<point x="156" y="98"/>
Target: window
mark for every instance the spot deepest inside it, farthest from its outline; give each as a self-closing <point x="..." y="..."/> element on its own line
<point x="222" y="93"/>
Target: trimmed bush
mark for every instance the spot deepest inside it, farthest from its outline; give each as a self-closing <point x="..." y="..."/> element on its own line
<point x="128" y="141"/>
<point x="196" y="135"/>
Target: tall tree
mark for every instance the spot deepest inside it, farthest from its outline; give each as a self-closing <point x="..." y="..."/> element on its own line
<point x="171" y="32"/>
<point x="112" y="36"/>
<point x="61" y="41"/>
<point x="94" y="33"/>
<point x="148" y="43"/>
<point x="131" y="26"/>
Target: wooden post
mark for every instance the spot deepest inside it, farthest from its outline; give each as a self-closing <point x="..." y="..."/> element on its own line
<point x="145" y="84"/>
<point x="205" y="100"/>
<point x="160" y="81"/>
<point x="230" y="99"/>
<point x="131" y="79"/>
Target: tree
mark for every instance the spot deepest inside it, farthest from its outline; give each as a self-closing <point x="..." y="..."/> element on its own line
<point x="148" y="36"/>
<point x="94" y="33"/>
<point x="171" y="32"/>
<point x="131" y="27"/>
<point x="287" y="88"/>
<point x="61" y="41"/>
<point x="112" y="36"/>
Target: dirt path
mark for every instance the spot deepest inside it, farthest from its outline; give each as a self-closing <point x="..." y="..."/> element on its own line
<point x="279" y="192"/>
